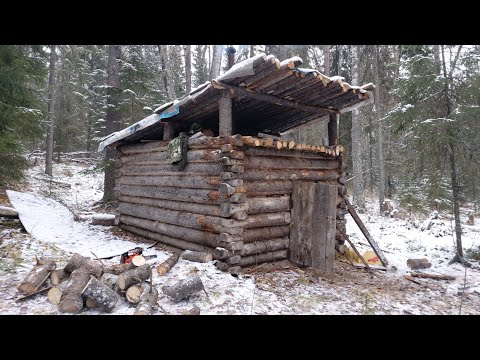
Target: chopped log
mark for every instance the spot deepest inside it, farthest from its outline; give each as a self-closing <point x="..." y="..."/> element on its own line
<point x="78" y="261"/>
<point x="415" y="264"/>
<point x="291" y="145"/>
<point x="221" y="253"/>
<point x="71" y="301"/>
<point x="433" y="276"/>
<point x="259" y="247"/>
<point x="265" y="233"/>
<point x="261" y="205"/>
<point x="196" y="256"/>
<point x="135" y="292"/>
<point x="267" y="220"/>
<point x="111" y="280"/>
<point x="365" y="232"/>
<point x="37" y="276"/>
<point x="8" y="212"/>
<point x="167" y="265"/>
<point x="103" y="295"/>
<point x="222" y="266"/>
<point x="268" y="136"/>
<point x="58" y="276"/>
<point x="103" y="219"/>
<point x="233" y="260"/>
<point x="204" y="209"/>
<point x="54" y="295"/>
<point x="116" y="269"/>
<point x="148" y="301"/>
<point x="184" y="288"/>
<point x="180" y="181"/>
<point x="42" y="290"/>
<point x="134" y="276"/>
<point x="213" y="142"/>
<point x="193" y="311"/>
<point x="235" y="270"/>
<point x="175" y="242"/>
<point x="293" y="154"/>
<point x="265" y="257"/>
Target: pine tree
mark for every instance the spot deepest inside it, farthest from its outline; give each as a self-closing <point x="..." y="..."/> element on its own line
<point x="200" y="64"/>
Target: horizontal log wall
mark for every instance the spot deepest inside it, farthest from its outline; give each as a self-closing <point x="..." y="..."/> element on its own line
<point x="231" y="194"/>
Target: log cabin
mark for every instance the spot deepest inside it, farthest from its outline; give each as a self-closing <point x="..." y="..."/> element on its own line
<point x="246" y="194"/>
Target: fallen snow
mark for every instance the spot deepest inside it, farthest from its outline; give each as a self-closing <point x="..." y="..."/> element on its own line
<point x="286" y="290"/>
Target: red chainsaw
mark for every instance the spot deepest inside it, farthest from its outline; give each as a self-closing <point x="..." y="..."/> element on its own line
<point x="127" y="256"/>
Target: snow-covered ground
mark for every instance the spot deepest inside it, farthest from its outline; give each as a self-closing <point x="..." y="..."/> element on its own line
<point x="279" y="288"/>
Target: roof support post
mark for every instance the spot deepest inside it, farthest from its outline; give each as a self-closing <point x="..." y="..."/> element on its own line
<point x="168" y="131"/>
<point x="333" y="130"/>
<point x="225" y="115"/>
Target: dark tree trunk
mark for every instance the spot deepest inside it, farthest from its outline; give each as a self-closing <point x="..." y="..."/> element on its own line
<point x="378" y="112"/>
<point x="188" y="68"/>
<point x="166" y="72"/>
<point x="326" y="60"/>
<point x="113" y="94"/>
<point x="50" y="112"/>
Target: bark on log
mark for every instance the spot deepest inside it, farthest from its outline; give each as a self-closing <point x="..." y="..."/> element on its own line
<point x="179" y="181"/>
<point x="78" y="261"/>
<point x="134" y="276"/>
<point x="175" y="242"/>
<point x="196" y="256"/>
<point x="147" y="303"/>
<point x="259" y="247"/>
<point x="288" y="174"/>
<point x="278" y="162"/>
<point x="8" y="212"/>
<point x="433" y="276"/>
<point x="184" y="288"/>
<point x="116" y="269"/>
<point x="415" y="264"/>
<point x="201" y="196"/>
<point x="204" y="155"/>
<point x="169" y="169"/>
<point x="167" y="265"/>
<point x="54" y="295"/>
<point x="261" y="205"/>
<point x="101" y="219"/>
<point x="267" y="220"/>
<point x="222" y="266"/>
<point x="111" y="280"/>
<point x="228" y="209"/>
<point x="265" y="233"/>
<point x="178" y="218"/>
<point x="193" y="311"/>
<point x="265" y="257"/>
<point x="58" y="276"/>
<point x="256" y="187"/>
<point x="143" y="147"/>
<point x="103" y="295"/>
<point x="37" y="276"/>
<point x="204" y="209"/>
<point x="90" y="303"/>
<point x="220" y="253"/>
<point x="72" y="301"/>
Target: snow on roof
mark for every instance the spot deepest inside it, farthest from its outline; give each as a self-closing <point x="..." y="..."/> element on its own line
<point x="263" y="74"/>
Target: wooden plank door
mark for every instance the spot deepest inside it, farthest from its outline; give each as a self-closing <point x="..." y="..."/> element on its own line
<point x="312" y="234"/>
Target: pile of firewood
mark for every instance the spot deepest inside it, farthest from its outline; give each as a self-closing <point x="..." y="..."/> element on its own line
<point x="85" y="283"/>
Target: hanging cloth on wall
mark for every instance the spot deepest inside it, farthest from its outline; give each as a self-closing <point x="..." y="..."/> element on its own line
<point x="177" y="151"/>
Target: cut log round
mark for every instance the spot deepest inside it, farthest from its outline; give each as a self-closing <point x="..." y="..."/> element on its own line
<point x="134" y="276"/>
<point x="197" y="256"/>
<point x="184" y="288"/>
<point x="54" y="295"/>
<point x="103" y="295"/>
<point x="193" y="311"/>
<point x="58" y="276"/>
<point x="148" y="301"/>
<point x="165" y="267"/>
<point x="138" y="260"/>
<point x="37" y="276"/>
<point x="135" y="292"/>
<point x="90" y="303"/>
<point x="72" y="301"/>
<point x="78" y="261"/>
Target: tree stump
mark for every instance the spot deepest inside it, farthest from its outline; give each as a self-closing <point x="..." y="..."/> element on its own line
<point x="104" y="296"/>
<point x="184" y="288"/>
<point x="72" y="301"/>
<point x="148" y="301"/>
<point x="134" y="276"/>
<point x="197" y="256"/>
<point x="37" y="276"/>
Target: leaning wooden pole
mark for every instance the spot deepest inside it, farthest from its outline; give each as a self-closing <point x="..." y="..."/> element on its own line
<point x="365" y="232"/>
